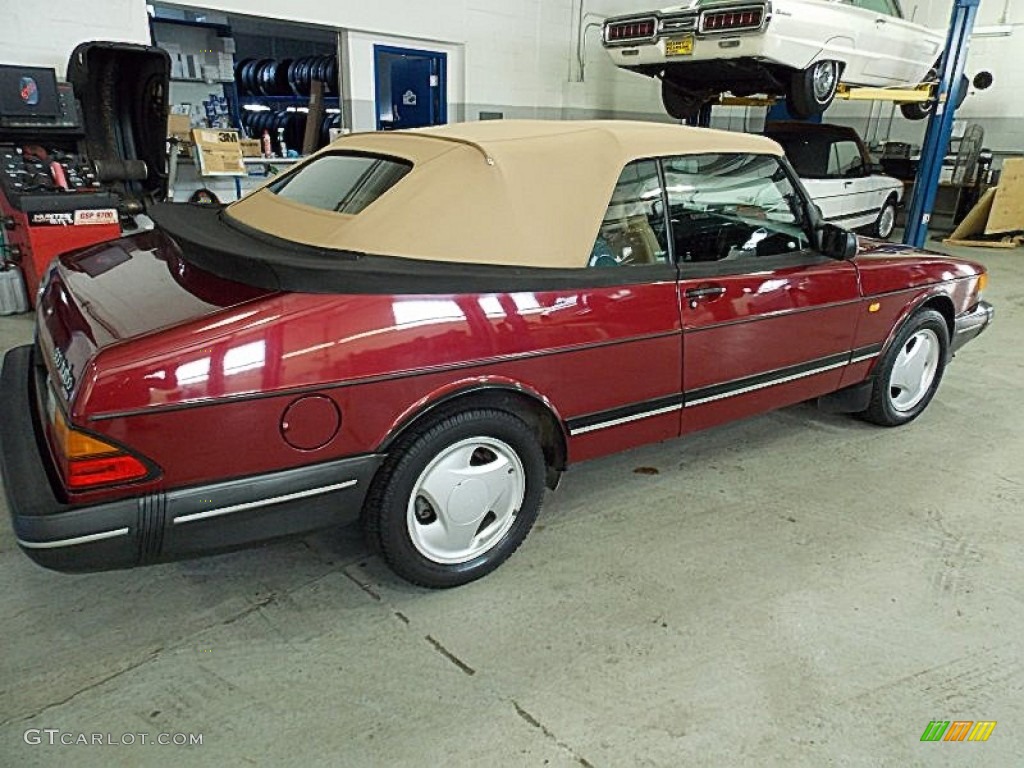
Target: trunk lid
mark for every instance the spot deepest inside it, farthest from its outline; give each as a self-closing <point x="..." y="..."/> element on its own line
<point x="122" y="290"/>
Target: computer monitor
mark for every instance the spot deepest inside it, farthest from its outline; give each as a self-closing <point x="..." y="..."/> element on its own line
<point x="28" y="91"/>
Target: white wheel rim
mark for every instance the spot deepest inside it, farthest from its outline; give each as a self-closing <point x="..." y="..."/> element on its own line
<point x="824" y="79"/>
<point x="466" y="500"/>
<point x="886" y="221"/>
<point x="914" y="370"/>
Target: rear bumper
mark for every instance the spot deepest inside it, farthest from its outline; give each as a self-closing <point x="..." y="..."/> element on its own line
<point x="159" y="526"/>
<point x="970" y="324"/>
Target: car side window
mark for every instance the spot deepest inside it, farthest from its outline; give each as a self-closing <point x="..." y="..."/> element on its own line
<point x="886" y="7"/>
<point x="632" y="231"/>
<point x="733" y="206"/>
<point x="845" y="160"/>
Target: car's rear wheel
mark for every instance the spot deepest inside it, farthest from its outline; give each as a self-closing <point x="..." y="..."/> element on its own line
<point x="886" y="221"/>
<point x="456" y="497"/>
<point x="812" y="90"/>
<point x="681" y="103"/>
<point x="910" y="371"/>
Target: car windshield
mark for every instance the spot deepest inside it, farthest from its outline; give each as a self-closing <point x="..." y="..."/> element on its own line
<point x="752" y="190"/>
<point x="341" y="182"/>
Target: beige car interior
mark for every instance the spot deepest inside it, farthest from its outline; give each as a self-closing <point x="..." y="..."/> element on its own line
<point x="631" y="240"/>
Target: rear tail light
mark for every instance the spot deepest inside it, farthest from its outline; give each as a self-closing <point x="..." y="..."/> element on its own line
<point x="87" y="462"/>
<point x="636" y="29"/>
<point x="732" y="20"/>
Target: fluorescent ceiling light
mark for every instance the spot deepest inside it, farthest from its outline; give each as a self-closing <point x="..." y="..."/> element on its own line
<point x="1000" y="30"/>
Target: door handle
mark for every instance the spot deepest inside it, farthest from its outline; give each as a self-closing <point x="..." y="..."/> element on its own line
<point x="695" y="295"/>
<point x="881" y="21"/>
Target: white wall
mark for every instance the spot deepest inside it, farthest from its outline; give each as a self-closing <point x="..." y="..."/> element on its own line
<point x="516" y="52"/>
<point x="358" y="74"/>
<point x="999" y="109"/>
<point x="44" y="34"/>
<point x="519" y="57"/>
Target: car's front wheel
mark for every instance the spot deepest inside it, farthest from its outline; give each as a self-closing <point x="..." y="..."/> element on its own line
<point x="456" y="497"/>
<point x="886" y="221"/>
<point x="910" y="371"/>
<point x="812" y="90"/>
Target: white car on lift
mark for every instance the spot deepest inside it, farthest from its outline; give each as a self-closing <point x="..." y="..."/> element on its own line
<point x="838" y="174"/>
<point x="800" y="49"/>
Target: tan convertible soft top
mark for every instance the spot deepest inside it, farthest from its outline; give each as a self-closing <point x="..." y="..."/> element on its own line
<point x="527" y="193"/>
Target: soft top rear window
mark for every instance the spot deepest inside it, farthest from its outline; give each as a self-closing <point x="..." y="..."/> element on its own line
<point x="808" y="154"/>
<point x="344" y="182"/>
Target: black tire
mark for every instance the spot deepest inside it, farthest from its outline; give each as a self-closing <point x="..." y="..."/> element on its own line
<point x="812" y="90"/>
<point x="390" y="512"/>
<point x="886" y="221"/>
<point x="883" y="408"/>
<point x="680" y="103"/>
<point x="919" y="110"/>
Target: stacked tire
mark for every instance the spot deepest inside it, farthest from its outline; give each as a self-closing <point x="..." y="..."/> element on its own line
<point x="292" y="123"/>
<point x="286" y="77"/>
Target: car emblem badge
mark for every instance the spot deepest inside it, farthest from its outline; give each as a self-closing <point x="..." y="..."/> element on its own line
<point x="67" y="378"/>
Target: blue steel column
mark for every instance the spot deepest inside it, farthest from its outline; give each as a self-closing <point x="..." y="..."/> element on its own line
<point x="940" y="124"/>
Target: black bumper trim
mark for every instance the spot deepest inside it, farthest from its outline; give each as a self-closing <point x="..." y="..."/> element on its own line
<point x="161" y="526"/>
<point x="970" y="324"/>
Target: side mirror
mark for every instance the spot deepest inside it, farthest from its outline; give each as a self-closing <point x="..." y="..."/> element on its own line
<point x="838" y="243"/>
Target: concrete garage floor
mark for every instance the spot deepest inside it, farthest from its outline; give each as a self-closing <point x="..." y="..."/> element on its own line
<point x="797" y="589"/>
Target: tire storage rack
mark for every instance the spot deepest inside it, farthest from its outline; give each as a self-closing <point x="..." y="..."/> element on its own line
<point x="284" y="86"/>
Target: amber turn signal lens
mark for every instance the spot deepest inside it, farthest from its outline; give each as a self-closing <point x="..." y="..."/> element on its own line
<point x="88" y="462"/>
<point x="982" y="281"/>
<point x="74" y="444"/>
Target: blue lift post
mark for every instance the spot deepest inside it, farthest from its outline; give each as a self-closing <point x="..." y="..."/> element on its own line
<point x="940" y="124"/>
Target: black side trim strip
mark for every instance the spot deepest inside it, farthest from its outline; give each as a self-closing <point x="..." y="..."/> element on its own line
<point x="761" y="380"/>
<point x="624" y="414"/>
<point x="384" y="377"/>
<point x="863" y="353"/>
<point x="656" y="406"/>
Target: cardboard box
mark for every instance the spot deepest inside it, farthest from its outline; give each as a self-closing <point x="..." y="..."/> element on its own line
<point x="251" y="148"/>
<point x="179" y="127"/>
<point x="1007" y="213"/>
<point x="226" y="66"/>
<point x="218" y="152"/>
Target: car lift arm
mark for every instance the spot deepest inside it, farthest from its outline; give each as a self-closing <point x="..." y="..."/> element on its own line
<point x="940" y="124"/>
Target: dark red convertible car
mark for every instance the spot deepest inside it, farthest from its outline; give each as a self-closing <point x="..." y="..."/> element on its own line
<point x="425" y="328"/>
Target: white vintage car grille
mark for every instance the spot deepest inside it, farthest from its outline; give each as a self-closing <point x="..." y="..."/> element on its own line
<point x="732" y="20"/>
<point x="672" y="25"/>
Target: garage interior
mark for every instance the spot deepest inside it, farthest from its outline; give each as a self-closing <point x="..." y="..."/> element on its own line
<point x="797" y="588"/>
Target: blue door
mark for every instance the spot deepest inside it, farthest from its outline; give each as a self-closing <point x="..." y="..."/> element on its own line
<point x="410" y="87"/>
